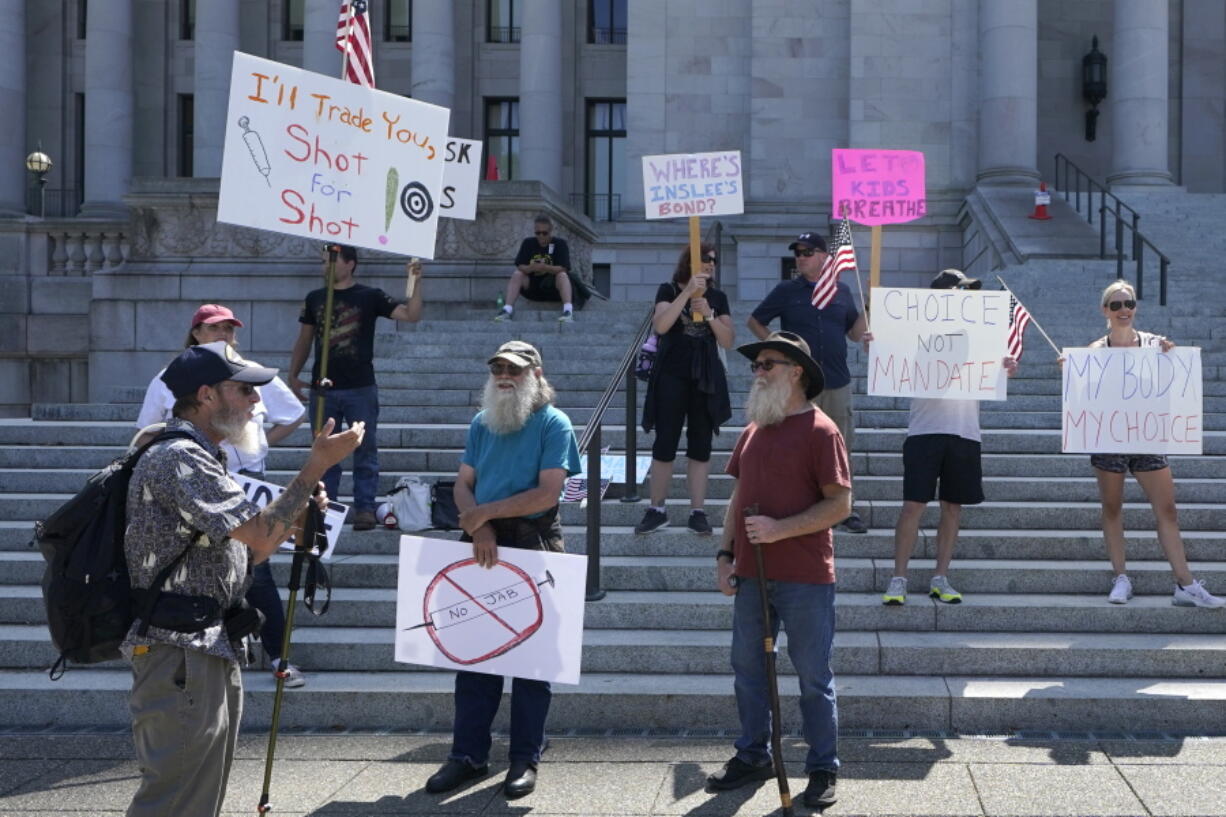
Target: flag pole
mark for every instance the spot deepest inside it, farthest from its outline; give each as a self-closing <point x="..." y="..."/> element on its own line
<point x="860" y="285"/>
<point x="348" y="40"/>
<point x="1053" y="346"/>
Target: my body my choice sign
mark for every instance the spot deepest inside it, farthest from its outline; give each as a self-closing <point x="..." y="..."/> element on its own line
<point x="321" y="158"/>
<point x="943" y="343"/>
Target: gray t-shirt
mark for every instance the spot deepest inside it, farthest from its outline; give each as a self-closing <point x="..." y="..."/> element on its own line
<point x="932" y="416"/>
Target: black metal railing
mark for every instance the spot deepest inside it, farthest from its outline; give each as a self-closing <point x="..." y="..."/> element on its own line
<point x="598" y="206"/>
<point x="504" y="34"/>
<point x="606" y="36"/>
<point x="1123" y="218"/>
<point x="60" y="202"/>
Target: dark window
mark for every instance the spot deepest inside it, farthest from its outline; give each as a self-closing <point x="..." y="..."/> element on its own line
<point x="606" y="22"/>
<point x="187" y="19"/>
<point x="502" y="135"/>
<point x="82" y="13"/>
<point x="78" y="151"/>
<point x="501" y="22"/>
<point x="602" y="278"/>
<point x="398" y="21"/>
<point x="787" y="268"/>
<point x="186" y="128"/>
<point x="606" y="158"/>
<point x="294" y="22"/>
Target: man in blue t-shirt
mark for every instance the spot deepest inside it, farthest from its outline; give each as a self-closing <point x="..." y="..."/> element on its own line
<point x="519" y="452"/>
<point x="825" y="330"/>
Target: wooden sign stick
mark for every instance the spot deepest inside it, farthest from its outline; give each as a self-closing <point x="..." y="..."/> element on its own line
<point x="874" y="274"/>
<point x="696" y="261"/>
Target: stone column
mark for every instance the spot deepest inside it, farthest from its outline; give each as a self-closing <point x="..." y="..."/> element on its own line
<point x="14" y="178"/>
<point x="216" y="42"/>
<point x="1008" y="91"/>
<point x="540" y="93"/>
<point x="433" y="65"/>
<point x="1137" y="94"/>
<point x="319" y="52"/>
<point x="109" y="107"/>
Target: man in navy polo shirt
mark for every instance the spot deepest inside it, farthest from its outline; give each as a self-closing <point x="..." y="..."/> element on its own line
<point x="825" y="330"/>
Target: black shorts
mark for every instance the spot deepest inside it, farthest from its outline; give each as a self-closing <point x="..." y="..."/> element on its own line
<point x="953" y="460"/>
<point x="541" y="287"/>
<point x="1123" y="463"/>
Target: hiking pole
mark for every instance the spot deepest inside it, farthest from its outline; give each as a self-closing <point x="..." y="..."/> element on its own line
<point x="313" y="528"/>
<point x="325" y="342"/>
<point x="772" y="677"/>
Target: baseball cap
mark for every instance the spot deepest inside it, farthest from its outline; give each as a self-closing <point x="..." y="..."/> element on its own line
<point x="954" y="279"/>
<point x="214" y="313"/>
<point x="207" y="365"/>
<point x="813" y="238"/>
<point x="519" y="353"/>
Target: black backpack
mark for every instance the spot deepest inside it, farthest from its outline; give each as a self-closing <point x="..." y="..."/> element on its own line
<point x="85" y="586"/>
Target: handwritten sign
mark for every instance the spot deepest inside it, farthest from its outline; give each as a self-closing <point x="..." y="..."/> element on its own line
<point x="317" y="157"/>
<point x="263" y="493"/>
<point x="1132" y="401"/>
<point x="943" y="343"/>
<point x="878" y="186"/>
<point x="461" y="179"/>
<point x="693" y="184"/>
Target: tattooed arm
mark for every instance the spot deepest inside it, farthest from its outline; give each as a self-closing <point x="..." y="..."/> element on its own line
<point x="264" y="532"/>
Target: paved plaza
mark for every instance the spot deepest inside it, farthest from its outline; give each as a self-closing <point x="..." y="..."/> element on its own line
<point x="56" y="773"/>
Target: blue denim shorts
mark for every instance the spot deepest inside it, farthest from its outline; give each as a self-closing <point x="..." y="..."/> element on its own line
<point x="1123" y="463"/>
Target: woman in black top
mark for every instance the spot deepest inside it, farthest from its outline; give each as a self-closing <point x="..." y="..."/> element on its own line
<point x="688" y="385"/>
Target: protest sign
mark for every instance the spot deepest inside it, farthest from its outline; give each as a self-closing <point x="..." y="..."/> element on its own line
<point x="1132" y="401"/>
<point x="262" y="493"/>
<point x="693" y="184"/>
<point x="321" y="158"/>
<point x="877" y="187"/>
<point x="523" y="617"/>
<point x="461" y="178"/>
<point x="943" y="343"/>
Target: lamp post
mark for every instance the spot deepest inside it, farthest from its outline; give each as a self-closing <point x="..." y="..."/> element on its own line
<point x="1093" y="85"/>
<point x="40" y="165"/>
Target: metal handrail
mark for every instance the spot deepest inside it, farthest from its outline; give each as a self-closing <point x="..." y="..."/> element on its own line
<point x="1116" y="209"/>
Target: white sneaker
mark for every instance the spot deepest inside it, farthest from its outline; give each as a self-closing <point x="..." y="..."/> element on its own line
<point x="1195" y="595"/>
<point x="566" y="317"/>
<point x="1121" y="590"/>
<point x="896" y="593"/>
<point x="293" y="676"/>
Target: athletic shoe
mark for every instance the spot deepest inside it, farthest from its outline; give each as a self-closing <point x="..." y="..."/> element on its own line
<point x="737" y="773"/>
<point x="293" y="676"/>
<point x="896" y="594"/>
<point x="943" y="590"/>
<point x="653" y="520"/>
<point x="502" y="315"/>
<point x="698" y="523"/>
<point x="820" y="793"/>
<point x="853" y="524"/>
<point x="1195" y="595"/>
<point x="566" y="317"/>
<point x="1121" y="590"/>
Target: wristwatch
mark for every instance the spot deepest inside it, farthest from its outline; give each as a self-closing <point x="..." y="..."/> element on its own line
<point x="719" y="554"/>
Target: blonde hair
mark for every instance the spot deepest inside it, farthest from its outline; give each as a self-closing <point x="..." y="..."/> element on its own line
<point x="1119" y="285"/>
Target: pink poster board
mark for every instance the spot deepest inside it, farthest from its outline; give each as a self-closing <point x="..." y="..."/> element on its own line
<point x="878" y="186"/>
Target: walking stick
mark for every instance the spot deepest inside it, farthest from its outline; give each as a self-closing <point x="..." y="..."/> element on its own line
<point x="325" y="341"/>
<point x="772" y="677"/>
<point x="313" y="529"/>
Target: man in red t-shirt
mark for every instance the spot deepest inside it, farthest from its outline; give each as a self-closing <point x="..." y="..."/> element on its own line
<point x="793" y="485"/>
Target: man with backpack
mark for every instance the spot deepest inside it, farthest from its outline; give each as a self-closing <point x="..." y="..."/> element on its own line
<point x="191" y="536"/>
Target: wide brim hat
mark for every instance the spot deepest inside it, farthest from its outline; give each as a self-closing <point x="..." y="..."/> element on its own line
<point x="794" y="347"/>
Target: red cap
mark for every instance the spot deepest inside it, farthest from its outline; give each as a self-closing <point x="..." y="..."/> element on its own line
<point x="214" y="313"/>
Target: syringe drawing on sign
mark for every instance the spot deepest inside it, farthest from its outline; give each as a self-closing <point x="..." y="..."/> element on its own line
<point x="255" y="146"/>
<point x="500" y="608"/>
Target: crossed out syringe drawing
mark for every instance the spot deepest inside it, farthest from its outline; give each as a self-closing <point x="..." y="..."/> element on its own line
<point x="495" y="620"/>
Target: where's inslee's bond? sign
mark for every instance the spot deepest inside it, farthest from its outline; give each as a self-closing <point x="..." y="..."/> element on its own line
<point x="321" y="158"/>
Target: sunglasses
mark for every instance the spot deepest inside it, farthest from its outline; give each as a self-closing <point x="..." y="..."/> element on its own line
<point x="805" y="253"/>
<point x="506" y="368"/>
<point x="245" y="389"/>
<point x="767" y="365"/>
<point x="708" y="259"/>
<point x="543" y="232"/>
<point x="1115" y="306"/>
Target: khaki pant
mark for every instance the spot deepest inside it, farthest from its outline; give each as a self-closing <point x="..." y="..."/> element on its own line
<point x="836" y="403"/>
<point x="186" y="707"/>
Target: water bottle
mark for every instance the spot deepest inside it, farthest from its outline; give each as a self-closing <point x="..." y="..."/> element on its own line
<point x="501" y="301"/>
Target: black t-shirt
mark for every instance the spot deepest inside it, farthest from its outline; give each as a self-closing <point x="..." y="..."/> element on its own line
<point x="352" y="341"/>
<point x="685" y="339"/>
<point x="555" y="254"/>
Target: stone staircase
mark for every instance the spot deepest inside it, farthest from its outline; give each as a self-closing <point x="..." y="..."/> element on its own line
<point x="1034" y="645"/>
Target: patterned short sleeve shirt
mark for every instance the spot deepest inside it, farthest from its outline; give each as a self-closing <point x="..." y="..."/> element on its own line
<point x="181" y="494"/>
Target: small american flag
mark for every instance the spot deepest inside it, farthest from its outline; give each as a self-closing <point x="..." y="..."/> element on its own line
<point x="843" y="258"/>
<point x="1019" y="318"/>
<point x="353" y="40"/>
<point x="575" y="489"/>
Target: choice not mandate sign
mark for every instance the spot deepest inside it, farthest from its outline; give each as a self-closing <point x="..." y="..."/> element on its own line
<point x="321" y="158"/>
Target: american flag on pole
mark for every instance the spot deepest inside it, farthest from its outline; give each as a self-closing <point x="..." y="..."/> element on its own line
<point x="575" y="489"/>
<point x="843" y="258"/>
<point x="353" y="40"/>
<point x="1019" y="318"/>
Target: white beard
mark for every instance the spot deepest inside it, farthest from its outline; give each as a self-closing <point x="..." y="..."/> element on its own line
<point x="237" y="429"/>
<point x="248" y="442"/>
<point x="768" y="403"/>
<point x="505" y="411"/>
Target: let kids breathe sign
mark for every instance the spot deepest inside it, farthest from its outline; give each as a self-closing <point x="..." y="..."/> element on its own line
<point x="320" y="158"/>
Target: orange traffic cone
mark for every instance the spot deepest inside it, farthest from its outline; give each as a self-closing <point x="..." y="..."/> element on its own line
<point x="1041" y="199"/>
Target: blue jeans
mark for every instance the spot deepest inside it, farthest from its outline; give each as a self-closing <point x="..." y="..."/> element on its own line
<point x="807" y="613"/>
<point x="263" y="596"/>
<point x="477" y="697"/>
<point x="348" y="406"/>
